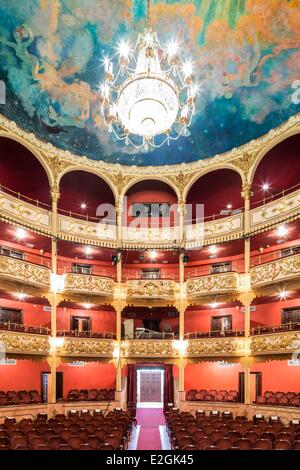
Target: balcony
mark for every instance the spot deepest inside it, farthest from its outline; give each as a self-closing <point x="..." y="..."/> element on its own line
<point x="156" y="289"/>
<point x="219" y="347"/>
<point x="205" y="286"/>
<point x="149" y="349"/>
<point x="276" y="343"/>
<point x="24" y="272"/>
<point x="89" y="284"/>
<point x="20" y="328"/>
<point x="80" y="347"/>
<point x="284" y="269"/>
<point x="24" y="343"/>
<point x="86" y="334"/>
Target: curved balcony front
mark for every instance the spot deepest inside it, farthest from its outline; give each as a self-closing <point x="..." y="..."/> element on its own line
<point x="82" y="284"/>
<point x="154" y="289"/>
<point x="24" y="272"/>
<point x="284" y="269"/>
<point x="24" y="343"/>
<point x="214" y="284"/>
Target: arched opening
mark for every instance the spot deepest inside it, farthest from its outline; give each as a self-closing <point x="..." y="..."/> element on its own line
<point x="21" y="172"/>
<point x="215" y="194"/>
<point x="82" y="193"/>
<point x="278" y="172"/>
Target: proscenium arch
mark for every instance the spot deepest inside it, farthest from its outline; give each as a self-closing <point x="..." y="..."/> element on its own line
<point x="144" y="178"/>
<point x="222" y="166"/>
<point x="86" y="169"/>
<point x="278" y="140"/>
<point x="34" y="152"/>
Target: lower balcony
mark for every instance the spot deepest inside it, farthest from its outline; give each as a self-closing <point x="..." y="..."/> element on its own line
<point x="24" y="343"/>
<point x="85" y="347"/>
<point x="211" y="347"/>
<point x="89" y="284"/>
<point x="23" y="272"/>
<point x="214" y="284"/>
<point x="151" y="349"/>
<point x="276" y="343"/>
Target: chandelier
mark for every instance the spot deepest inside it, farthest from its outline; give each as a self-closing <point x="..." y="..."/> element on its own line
<point x="148" y="96"/>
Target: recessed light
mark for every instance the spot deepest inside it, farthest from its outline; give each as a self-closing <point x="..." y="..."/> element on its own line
<point x="282" y="294"/>
<point x="83" y="205"/>
<point x="87" y="305"/>
<point x="20" y="233"/>
<point x="88" y="250"/>
<point x="153" y="254"/>
<point x="213" y="249"/>
<point x="20" y="295"/>
<point x="214" y="305"/>
<point x="229" y="206"/>
<point x="265" y="187"/>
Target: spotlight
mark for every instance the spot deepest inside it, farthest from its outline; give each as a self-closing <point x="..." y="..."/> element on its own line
<point x="88" y="250"/>
<point x="214" y="305"/>
<point x="87" y="305"/>
<point x="83" y="205"/>
<point x="282" y="231"/>
<point x="282" y="294"/>
<point x="229" y="206"/>
<point x="213" y="250"/>
<point x="20" y="295"/>
<point x="20" y="233"/>
<point x="153" y="254"/>
<point x="265" y="187"/>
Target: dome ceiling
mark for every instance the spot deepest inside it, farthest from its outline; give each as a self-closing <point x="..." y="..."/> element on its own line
<point x="246" y="57"/>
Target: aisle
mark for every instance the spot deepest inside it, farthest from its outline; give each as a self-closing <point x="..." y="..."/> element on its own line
<point x="152" y="433"/>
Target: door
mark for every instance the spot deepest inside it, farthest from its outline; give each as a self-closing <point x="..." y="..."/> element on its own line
<point x="81" y="323"/>
<point x="45" y="386"/>
<point x="221" y="323"/>
<point x="255" y="386"/>
<point x="150" y="386"/>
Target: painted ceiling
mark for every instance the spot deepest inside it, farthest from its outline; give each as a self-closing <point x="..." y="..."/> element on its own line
<point x="246" y="56"/>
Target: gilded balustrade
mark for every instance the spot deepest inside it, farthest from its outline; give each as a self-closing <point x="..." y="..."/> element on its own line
<point x="25" y="272"/>
<point x="89" y="284"/>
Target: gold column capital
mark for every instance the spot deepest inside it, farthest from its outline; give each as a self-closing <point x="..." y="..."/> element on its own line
<point x="53" y="361"/>
<point x="246" y="298"/>
<point x="247" y="190"/>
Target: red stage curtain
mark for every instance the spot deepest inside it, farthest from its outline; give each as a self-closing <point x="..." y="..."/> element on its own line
<point x="131" y="383"/>
<point x="168" y="385"/>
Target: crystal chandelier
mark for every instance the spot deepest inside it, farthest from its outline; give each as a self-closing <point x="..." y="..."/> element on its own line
<point x="148" y="97"/>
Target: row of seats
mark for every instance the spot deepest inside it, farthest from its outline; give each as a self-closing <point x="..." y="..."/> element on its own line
<point x="279" y="398"/>
<point x="19" y="398"/>
<point x="222" y="432"/>
<point x="92" y="394"/>
<point x="83" y="430"/>
<point x="212" y="395"/>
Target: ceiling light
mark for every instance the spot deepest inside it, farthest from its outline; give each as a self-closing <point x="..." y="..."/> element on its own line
<point x="282" y="231"/>
<point x="153" y="254"/>
<point x="148" y="95"/>
<point x="87" y="305"/>
<point x="83" y="205"/>
<point x="213" y="249"/>
<point x="265" y="187"/>
<point x="282" y="294"/>
<point x="214" y="305"/>
<point x="229" y="206"/>
<point x="20" y="233"/>
<point x="88" y="250"/>
<point x="20" y="295"/>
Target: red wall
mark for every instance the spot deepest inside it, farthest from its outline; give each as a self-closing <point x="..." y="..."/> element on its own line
<point x="101" y="320"/>
<point x="91" y="375"/>
<point x="208" y="375"/>
<point x="278" y="376"/>
<point x="25" y="375"/>
<point x="33" y="314"/>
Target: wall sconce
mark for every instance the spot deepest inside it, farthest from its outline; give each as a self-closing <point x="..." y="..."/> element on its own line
<point x="57" y="283"/>
<point x="181" y="346"/>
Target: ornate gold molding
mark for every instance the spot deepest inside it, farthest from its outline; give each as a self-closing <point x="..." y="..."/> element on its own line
<point x="25" y="272"/>
<point x="217" y="347"/>
<point x="88" y="284"/>
<point x="275" y="271"/>
<point x="150" y="289"/>
<point x="211" y="285"/>
<point x="86" y="347"/>
<point x="23" y="343"/>
<point x="148" y="348"/>
<point x="275" y="343"/>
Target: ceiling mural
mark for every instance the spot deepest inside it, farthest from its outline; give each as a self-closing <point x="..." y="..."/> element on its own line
<point x="245" y="53"/>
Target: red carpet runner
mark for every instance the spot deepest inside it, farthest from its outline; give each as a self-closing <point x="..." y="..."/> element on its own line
<point x="149" y="419"/>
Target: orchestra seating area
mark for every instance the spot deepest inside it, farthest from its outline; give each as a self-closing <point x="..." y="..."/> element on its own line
<point x="279" y="399"/>
<point x="77" y="431"/>
<point x="22" y="397"/>
<point x="92" y="394"/>
<point x="223" y="432"/>
<point x="212" y="395"/>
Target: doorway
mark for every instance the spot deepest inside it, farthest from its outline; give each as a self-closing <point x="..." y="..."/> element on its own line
<point x="221" y="323"/>
<point x="81" y="323"/>
<point x="45" y="386"/>
<point x="255" y="386"/>
<point x="150" y="388"/>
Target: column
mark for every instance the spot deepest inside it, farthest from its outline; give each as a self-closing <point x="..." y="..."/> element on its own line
<point x="181" y="391"/>
<point x="53" y="362"/>
<point x="182" y="301"/>
<point x="246" y="363"/>
<point x="246" y="194"/>
<point x="247" y="360"/>
<point x="181" y="210"/>
<point x="119" y="221"/>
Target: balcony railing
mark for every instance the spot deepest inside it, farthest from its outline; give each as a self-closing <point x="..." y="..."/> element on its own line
<point x="23" y="271"/>
<point x="87" y="334"/>
<point x="153" y="335"/>
<point x="283" y="269"/>
<point x="210" y="285"/>
<point x="265" y="329"/>
<point x="214" y="334"/>
<point x="39" y="330"/>
<point x="151" y="289"/>
<point x="85" y="283"/>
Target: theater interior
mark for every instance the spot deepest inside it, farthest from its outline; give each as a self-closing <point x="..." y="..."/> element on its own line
<point x="149" y="285"/>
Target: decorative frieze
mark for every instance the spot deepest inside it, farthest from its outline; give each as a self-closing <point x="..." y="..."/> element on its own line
<point x="151" y="289"/>
<point x="276" y="343"/>
<point x="148" y="348"/>
<point x="22" y="271"/>
<point x="275" y="271"/>
<point x="88" y="284"/>
<point x="23" y="343"/>
<point x="211" y="285"/>
<point x="216" y="347"/>
<point x="86" y="347"/>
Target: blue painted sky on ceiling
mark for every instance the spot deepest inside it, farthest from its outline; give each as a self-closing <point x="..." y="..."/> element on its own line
<point x="246" y="55"/>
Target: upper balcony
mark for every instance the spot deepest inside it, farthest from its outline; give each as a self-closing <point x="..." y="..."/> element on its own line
<point x="204" y="286"/>
<point x="155" y="289"/>
<point x="89" y="284"/>
<point x="273" y="272"/>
